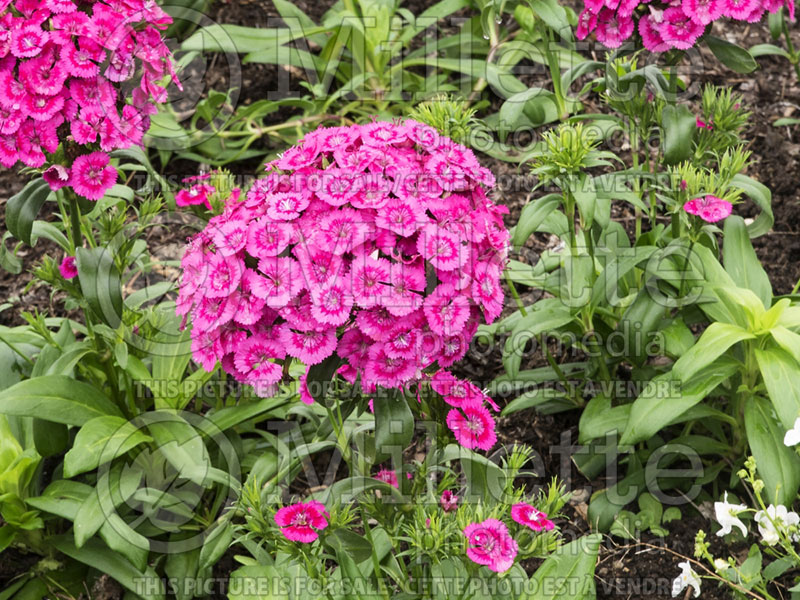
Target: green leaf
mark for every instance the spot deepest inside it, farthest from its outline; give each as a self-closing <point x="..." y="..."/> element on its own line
<point x="169" y="366"/>
<point x="713" y="343"/>
<point x="571" y="564"/>
<point x="544" y="316"/>
<point x="532" y="216"/>
<point x="145" y="584"/>
<point x="256" y="582"/>
<point x="50" y="438"/>
<point x="651" y="509"/>
<point x="100" y="440"/>
<point x="741" y="261"/>
<point x="678" y="124"/>
<point x="113" y="488"/>
<point x="666" y="398"/>
<point x="394" y="425"/>
<point x="100" y="283"/>
<point x="778" y="465"/>
<point x="762" y="197"/>
<point x="62" y="399"/>
<point x="23" y="207"/>
<point x="320" y="375"/>
<point x="552" y="13"/>
<point x="599" y="418"/>
<point x="781" y="374"/>
<point x="215" y="545"/>
<point x="732" y="56"/>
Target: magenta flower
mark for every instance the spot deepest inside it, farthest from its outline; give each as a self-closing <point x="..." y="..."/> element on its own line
<point x="196" y="194"/>
<point x="489" y="544"/>
<point x="678" y="30"/>
<point x="448" y="501"/>
<point x="473" y="427"/>
<point x="702" y="124"/>
<point x="709" y="208"/>
<point x="525" y="514"/>
<point x="68" y="268"/>
<point x="387" y="476"/>
<point x="302" y="522"/>
<point x="56" y="176"/>
<point x="92" y="175"/>
<point x="305" y="394"/>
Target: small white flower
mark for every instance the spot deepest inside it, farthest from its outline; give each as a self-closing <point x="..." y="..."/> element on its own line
<point x="721" y="565"/>
<point x="686" y="578"/>
<point x="726" y="516"/>
<point x="792" y="437"/>
<point x="775" y="520"/>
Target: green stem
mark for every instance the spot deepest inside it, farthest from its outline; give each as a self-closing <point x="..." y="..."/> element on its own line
<point x="17" y="350"/>
<point x="376" y="565"/>
<point x="515" y="294"/>
<point x="75" y="220"/>
<point x="636" y="182"/>
<point x="795" y="59"/>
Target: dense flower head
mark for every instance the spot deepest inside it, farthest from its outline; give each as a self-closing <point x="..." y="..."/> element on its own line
<point x="376" y="242"/>
<point x="490" y="544"/>
<point x="302" y="522"/>
<point x="664" y="25"/>
<point x="68" y="73"/>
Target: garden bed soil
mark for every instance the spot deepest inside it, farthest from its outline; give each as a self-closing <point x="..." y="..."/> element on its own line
<point x="630" y="571"/>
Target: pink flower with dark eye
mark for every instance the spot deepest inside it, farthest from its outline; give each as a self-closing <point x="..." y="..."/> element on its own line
<point x="253" y="361"/>
<point x="197" y="194"/>
<point x="388" y="371"/>
<point x="739" y="9"/>
<point x="447" y="310"/>
<point x="448" y="501"/>
<point x="489" y="544"/>
<point x="387" y="476"/>
<point x="709" y="208"/>
<point x="441" y="247"/>
<point x="310" y="347"/>
<point x="331" y="303"/>
<point x="28" y="41"/>
<point x="288" y="206"/>
<point x="302" y="522"/>
<point x="613" y="28"/>
<point x="473" y="427"/>
<point x="703" y="11"/>
<point x="56" y="176"/>
<point x="525" y="514"/>
<point x="92" y="175"/>
<point x="678" y="30"/>
<point x="68" y="268"/>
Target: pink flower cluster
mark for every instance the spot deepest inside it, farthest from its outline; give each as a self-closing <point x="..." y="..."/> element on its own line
<point x="490" y="544"/>
<point x="470" y="421"/>
<point x="376" y="242"/>
<point x="709" y="208"/>
<point x="302" y="522"/>
<point x="61" y="66"/>
<point x="666" y="25"/>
